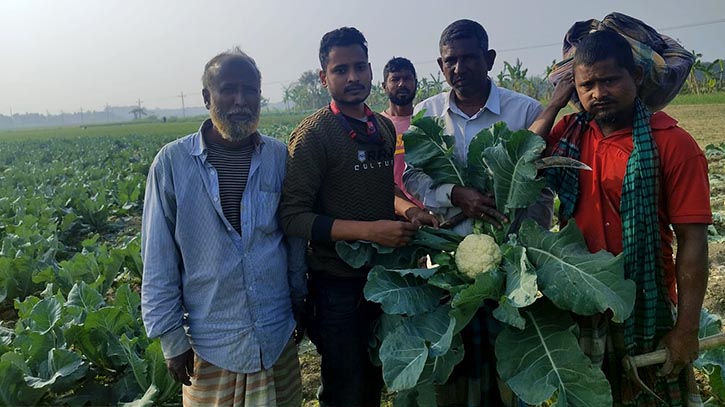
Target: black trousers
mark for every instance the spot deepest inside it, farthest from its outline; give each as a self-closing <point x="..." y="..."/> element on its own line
<point x="340" y="324"/>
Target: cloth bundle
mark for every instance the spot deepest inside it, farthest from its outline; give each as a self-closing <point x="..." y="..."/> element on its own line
<point x="666" y="63"/>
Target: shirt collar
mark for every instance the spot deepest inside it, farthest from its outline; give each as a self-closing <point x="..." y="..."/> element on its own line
<point x="493" y="103"/>
<point x="198" y="146"/>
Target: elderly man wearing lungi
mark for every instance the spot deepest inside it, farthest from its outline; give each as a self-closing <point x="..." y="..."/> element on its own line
<point x="220" y="280"/>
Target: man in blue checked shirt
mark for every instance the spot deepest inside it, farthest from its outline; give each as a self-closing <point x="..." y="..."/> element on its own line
<point x="221" y="283"/>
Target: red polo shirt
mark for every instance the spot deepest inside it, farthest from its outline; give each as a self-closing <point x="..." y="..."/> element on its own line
<point x="684" y="187"/>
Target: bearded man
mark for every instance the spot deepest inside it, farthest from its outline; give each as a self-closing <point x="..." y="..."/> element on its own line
<point x="220" y="280"/>
<point x="400" y="84"/>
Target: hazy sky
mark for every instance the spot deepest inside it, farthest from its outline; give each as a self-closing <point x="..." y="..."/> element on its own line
<point x="72" y="54"/>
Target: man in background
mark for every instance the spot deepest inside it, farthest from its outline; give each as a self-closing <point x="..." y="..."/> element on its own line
<point x="400" y="84"/>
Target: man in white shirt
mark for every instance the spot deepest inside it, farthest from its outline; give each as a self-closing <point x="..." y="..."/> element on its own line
<point x="474" y="103"/>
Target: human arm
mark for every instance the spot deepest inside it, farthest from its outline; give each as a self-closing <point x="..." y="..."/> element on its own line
<point x="161" y="287"/>
<point x="691" y="271"/>
<point x="562" y="93"/>
<point x="411" y="212"/>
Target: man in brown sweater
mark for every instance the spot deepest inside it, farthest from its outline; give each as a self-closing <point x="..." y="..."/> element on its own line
<point x="339" y="186"/>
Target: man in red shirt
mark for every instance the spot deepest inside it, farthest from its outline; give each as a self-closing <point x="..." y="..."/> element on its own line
<point x="647" y="174"/>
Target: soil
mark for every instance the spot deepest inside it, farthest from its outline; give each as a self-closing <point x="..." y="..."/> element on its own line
<point x="715" y="296"/>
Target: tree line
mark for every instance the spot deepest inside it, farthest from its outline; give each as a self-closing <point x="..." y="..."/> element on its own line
<point x="307" y="94"/>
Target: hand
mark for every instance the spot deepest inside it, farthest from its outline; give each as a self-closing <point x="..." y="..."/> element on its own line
<point x="476" y="205"/>
<point x="563" y="90"/>
<point x="391" y="233"/>
<point x="181" y="368"/>
<point x="298" y="310"/>
<point x="421" y="217"/>
<point x="682" y="349"/>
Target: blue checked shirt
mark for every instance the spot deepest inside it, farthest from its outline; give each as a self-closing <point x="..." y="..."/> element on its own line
<point x="229" y="297"/>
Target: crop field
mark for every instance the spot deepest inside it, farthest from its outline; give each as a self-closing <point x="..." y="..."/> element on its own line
<point x="70" y="267"/>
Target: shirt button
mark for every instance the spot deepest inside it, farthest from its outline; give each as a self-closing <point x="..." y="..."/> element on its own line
<point x="211" y="171"/>
<point x="216" y="198"/>
<point x="229" y="228"/>
<point x="606" y="224"/>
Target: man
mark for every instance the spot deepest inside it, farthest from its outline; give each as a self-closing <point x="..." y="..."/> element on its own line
<point x="219" y="277"/>
<point x="340" y="187"/>
<point x="400" y="85"/>
<point x="474" y="103"/>
<point x="647" y="174"/>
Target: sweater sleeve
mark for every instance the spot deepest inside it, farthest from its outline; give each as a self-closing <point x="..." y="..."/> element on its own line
<point x="306" y="167"/>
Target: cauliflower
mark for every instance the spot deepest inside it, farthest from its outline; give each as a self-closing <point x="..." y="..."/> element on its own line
<point x="477" y="254"/>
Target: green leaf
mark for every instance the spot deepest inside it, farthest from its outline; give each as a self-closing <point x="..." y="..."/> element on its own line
<point x="488" y="285"/>
<point x="479" y="175"/>
<point x="545" y="359"/>
<point x="515" y="181"/>
<point x="423" y="273"/>
<point x="159" y="374"/>
<point x="403" y="354"/>
<point x="113" y="319"/>
<point x="436" y="327"/>
<point x="439" y="368"/>
<point x="84" y="296"/>
<point x="45" y="315"/>
<point x="147" y="400"/>
<point x="138" y="365"/>
<point x="130" y="303"/>
<point x="509" y="314"/>
<point x="61" y="371"/>
<point x="356" y="254"/>
<point x="449" y="281"/>
<point x="427" y="149"/>
<point x="521" y="287"/>
<point x="710" y="324"/>
<point x="34" y="346"/>
<point x="437" y="239"/>
<point x="359" y="253"/>
<point x="575" y="279"/>
<point x="98" y="345"/>
<point x="401" y="294"/>
<point x="13" y="390"/>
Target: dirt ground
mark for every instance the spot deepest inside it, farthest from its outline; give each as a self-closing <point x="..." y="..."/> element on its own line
<point x="715" y="297"/>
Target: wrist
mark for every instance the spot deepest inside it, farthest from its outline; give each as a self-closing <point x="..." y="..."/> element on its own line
<point x="454" y="195"/>
<point x="411" y="212"/>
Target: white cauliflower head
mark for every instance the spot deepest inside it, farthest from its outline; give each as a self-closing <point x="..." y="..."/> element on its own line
<point x="477" y="254"/>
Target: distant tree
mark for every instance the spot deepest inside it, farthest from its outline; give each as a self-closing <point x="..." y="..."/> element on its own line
<point x="138" y="112"/>
<point x="378" y="100"/>
<point x="307" y="92"/>
<point x="429" y="87"/>
<point x="705" y="77"/>
<point x="515" y="77"/>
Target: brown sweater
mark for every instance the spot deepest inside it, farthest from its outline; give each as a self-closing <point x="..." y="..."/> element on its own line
<point x="331" y="176"/>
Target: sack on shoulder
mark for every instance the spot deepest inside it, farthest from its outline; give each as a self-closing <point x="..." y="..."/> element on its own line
<point x="666" y="63"/>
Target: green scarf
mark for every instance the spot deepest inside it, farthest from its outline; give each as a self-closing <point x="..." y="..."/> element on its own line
<point x="641" y="239"/>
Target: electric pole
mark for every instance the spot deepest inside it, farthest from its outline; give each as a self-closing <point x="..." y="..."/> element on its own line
<point x="183" y="107"/>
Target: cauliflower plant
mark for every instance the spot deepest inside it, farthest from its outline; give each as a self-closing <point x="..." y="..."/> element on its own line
<point x="477" y="254"/>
